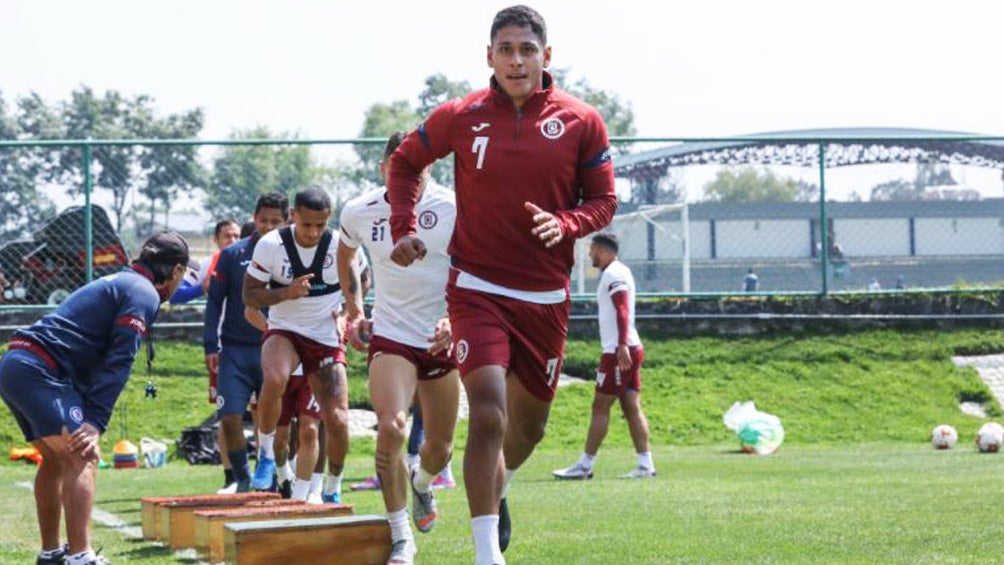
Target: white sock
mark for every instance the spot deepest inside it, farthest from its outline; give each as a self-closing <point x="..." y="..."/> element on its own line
<point x="447" y="473"/>
<point x="399" y="527"/>
<point x="301" y="489"/>
<point x="645" y="460"/>
<point x="82" y="558"/>
<point x="486" y="540"/>
<point x="422" y="480"/>
<point x="286" y="472"/>
<point x="316" y="482"/>
<point x="268" y="444"/>
<point x="414" y="460"/>
<point x="586" y="461"/>
<point x="508" y="479"/>
<point x="333" y="484"/>
<point x="50" y="553"/>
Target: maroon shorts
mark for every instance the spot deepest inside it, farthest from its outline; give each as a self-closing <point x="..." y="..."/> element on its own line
<point x="430" y="367"/>
<point x="610" y="380"/>
<point x="312" y="354"/>
<point x="212" y="387"/>
<point x="298" y="400"/>
<point x="527" y="338"/>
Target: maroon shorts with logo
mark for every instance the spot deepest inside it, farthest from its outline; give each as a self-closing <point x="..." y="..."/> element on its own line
<point x="312" y="354"/>
<point x="298" y="400"/>
<point x="527" y="338"/>
<point x="610" y="380"/>
<point x="430" y="367"/>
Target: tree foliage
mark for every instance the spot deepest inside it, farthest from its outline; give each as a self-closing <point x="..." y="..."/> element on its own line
<point x="749" y="185"/>
<point x="21" y="203"/>
<point x="241" y="173"/>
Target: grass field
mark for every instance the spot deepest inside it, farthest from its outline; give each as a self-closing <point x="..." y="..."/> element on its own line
<point x="855" y="482"/>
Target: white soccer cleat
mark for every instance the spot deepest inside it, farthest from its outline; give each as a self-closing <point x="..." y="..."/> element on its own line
<point x="229" y="489"/>
<point x="402" y="553"/>
<point x="314" y="498"/>
<point x="639" y="473"/>
<point x="574" y="473"/>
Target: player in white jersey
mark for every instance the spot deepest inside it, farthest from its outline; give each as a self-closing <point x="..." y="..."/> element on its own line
<point x="410" y="347"/>
<point x="293" y="273"/>
<point x="619" y="373"/>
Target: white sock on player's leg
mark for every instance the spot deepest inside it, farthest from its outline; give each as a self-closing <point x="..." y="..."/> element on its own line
<point x="486" y="540"/>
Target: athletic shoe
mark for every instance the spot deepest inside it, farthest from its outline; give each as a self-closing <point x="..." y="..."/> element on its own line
<point x="315" y="498"/>
<point x="286" y="489"/>
<point x="423" y="507"/>
<point x="639" y="473"/>
<point x="371" y="483"/>
<point x="505" y="525"/>
<point x="441" y="482"/>
<point x="402" y="552"/>
<point x="333" y="498"/>
<point x="574" y="473"/>
<point x="99" y="560"/>
<point x="243" y="486"/>
<point x="228" y="489"/>
<point x="264" y="473"/>
<point x="58" y="559"/>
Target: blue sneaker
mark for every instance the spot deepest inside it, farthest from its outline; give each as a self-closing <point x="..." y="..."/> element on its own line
<point x="264" y="473"/>
<point x="332" y="498"/>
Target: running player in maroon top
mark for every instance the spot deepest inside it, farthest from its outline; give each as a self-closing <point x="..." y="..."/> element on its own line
<point x="533" y="174"/>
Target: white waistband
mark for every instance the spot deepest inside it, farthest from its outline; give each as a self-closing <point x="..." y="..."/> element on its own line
<point x="471" y="282"/>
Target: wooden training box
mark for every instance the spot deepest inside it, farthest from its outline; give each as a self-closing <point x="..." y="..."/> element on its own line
<point x="177" y="520"/>
<point x="209" y="523"/>
<point x="151" y="507"/>
<point x="350" y="540"/>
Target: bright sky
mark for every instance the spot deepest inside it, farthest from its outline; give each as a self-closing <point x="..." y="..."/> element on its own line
<point x="697" y="68"/>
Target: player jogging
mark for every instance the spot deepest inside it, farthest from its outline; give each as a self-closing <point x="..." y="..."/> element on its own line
<point x="533" y="173"/>
<point x="293" y="273"/>
<point x="62" y="376"/>
<point x="410" y="346"/>
<point x="619" y="374"/>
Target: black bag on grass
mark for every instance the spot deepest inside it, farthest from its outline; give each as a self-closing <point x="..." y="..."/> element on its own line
<point x="198" y="446"/>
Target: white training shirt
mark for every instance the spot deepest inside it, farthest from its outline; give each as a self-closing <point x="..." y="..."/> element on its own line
<point x="309" y="316"/>
<point x="409" y="300"/>
<point x="616" y="278"/>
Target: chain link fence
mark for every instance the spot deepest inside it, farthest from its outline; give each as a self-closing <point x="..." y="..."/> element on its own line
<point x="772" y="215"/>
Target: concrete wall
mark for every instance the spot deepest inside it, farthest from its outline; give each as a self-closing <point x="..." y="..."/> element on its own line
<point x="871" y="237"/>
<point x="959" y="236"/>
<point x="738" y="239"/>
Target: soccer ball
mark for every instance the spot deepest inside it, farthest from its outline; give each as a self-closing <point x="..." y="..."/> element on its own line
<point x="990" y="437"/>
<point x="944" y="437"/>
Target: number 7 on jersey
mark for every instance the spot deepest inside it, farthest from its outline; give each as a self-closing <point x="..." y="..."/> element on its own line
<point x="479" y="146"/>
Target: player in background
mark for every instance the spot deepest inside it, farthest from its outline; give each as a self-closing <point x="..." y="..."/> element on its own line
<point x="231" y="344"/>
<point x="293" y="273"/>
<point x="409" y="348"/>
<point x="533" y="174"/>
<point x="62" y="376"/>
<point x="618" y="377"/>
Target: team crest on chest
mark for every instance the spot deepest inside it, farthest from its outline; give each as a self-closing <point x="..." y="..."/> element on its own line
<point x="428" y="220"/>
<point x="552" y="128"/>
<point x="329" y="260"/>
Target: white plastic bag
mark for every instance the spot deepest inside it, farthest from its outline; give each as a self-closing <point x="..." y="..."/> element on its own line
<point x="758" y="432"/>
<point x="154" y="453"/>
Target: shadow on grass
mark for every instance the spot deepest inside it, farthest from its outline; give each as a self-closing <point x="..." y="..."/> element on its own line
<point x="146" y="550"/>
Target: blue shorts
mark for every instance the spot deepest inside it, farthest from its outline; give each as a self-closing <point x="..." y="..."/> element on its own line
<point x="239" y="380"/>
<point x="42" y="404"/>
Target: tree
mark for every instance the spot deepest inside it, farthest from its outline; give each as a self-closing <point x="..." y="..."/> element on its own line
<point x="244" y="172"/>
<point x="617" y="113"/>
<point x="381" y="120"/>
<point x="439" y="90"/>
<point x="170" y="170"/>
<point x="22" y="205"/>
<point x="748" y="185"/>
<point x="900" y="190"/>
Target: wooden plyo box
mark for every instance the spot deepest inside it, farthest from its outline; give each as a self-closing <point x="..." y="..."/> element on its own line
<point x="151" y="507"/>
<point x="177" y="518"/>
<point x="209" y="523"/>
<point x="350" y="540"/>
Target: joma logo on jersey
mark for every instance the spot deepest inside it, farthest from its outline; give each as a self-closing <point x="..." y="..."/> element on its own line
<point x="552" y="128"/>
<point x="428" y="219"/>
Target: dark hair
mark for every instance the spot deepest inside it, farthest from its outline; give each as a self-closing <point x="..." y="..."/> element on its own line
<point x="521" y="16"/>
<point x="312" y="199"/>
<point x="162" y="253"/>
<point x="393" y="141"/>
<point x="273" y="200"/>
<point x="608" y="240"/>
<point x="247" y="229"/>
<point x="222" y="224"/>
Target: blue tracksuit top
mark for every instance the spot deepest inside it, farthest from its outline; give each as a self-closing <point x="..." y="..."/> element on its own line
<point x="93" y="337"/>
<point x="225" y="287"/>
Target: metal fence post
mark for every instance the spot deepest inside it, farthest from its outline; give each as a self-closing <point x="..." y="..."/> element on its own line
<point x="824" y="228"/>
<point x="88" y="224"/>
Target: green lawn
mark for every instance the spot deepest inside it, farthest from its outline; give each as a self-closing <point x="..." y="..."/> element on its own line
<point x="856" y="480"/>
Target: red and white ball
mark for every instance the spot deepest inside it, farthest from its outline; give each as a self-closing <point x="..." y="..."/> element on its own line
<point x="944" y="437"/>
<point x="990" y="437"/>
